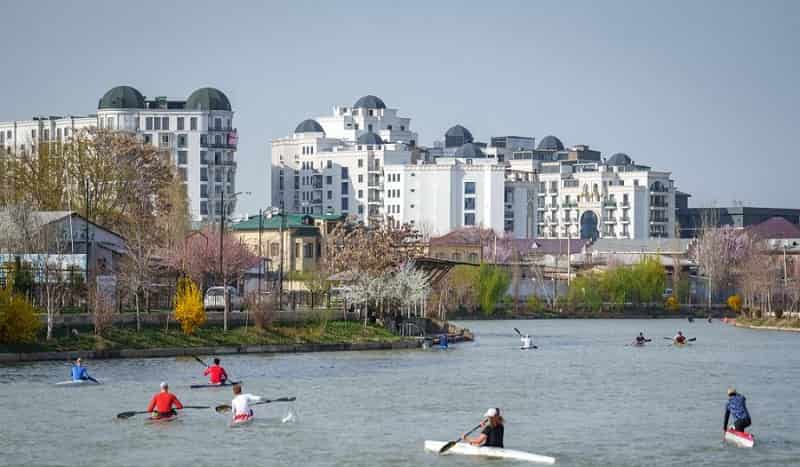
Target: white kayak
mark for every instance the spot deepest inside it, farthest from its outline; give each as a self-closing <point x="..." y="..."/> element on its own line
<point x="740" y="438"/>
<point x="80" y="382"/>
<point x="497" y="453"/>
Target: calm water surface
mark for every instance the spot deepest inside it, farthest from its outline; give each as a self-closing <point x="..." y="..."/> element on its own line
<point x="584" y="397"/>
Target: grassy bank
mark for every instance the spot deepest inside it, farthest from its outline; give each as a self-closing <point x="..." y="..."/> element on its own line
<point x="332" y="332"/>
<point x="784" y="323"/>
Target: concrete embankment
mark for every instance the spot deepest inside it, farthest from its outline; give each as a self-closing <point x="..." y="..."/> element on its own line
<point x="411" y="343"/>
<point x="766" y="328"/>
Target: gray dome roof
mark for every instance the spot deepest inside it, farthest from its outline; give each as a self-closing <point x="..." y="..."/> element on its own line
<point x="369" y="102"/>
<point x="309" y="126"/>
<point x="469" y="150"/>
<point x="122" y="97"/>
<point x="619" y="158"/>
<point x="459" y="131"/>
<point x="550" y="143"/>
<point x="208" y="99"/>
<point x="369" y="138"/>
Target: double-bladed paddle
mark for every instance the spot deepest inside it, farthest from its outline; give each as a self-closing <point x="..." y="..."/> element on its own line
<point x="195" y="386"/>
<point x="450" y="444"/>
<point x="520" y="335"/>
<point x="125" y="415"/>
<point x="227" y="408"/>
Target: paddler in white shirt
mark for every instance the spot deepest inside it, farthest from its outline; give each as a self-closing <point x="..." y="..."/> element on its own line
<point x="240" y="405"/>
<point x="527" y="342"/>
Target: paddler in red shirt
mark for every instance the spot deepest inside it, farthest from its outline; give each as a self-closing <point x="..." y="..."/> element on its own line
<point x="161" y="405"/>
<point x="216" y="373"/>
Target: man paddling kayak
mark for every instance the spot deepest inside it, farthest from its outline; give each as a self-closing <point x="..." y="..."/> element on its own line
<point x="640" y="339"/>
<point x="79" y="372"/>
<point x="737" y="407"/>
<point x="527" y="342"/>
<point x="162" y="403"/>
<point x="492" y="433"/>
<point x="240" y="405"/>
<point x="216" y="373"/>
<point x="679" y="338"/>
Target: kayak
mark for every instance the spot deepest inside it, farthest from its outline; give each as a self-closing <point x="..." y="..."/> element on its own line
<point x="157" y="419"/>
<point x="528" y="347"/>
<point x="209" y="385"/>
<point x="497" y="453"/>
<point x="740" y="438"/>
<point x="80" y="382"/>
<point x="242" y="420"/>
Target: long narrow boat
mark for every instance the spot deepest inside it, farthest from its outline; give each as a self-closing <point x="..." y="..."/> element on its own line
<point x="497" y="453"/>
<point x="209" y="385"/>
<point x="167" y="419"/>
<point x="73" y="383"/>
<point x="739" y="438"/>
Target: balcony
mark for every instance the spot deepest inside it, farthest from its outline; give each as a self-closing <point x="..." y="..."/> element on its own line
<point x="569" y="204"/>
<point x="609" y="204"/>
<point x="610" y="220"/>
<point x="625" y="220"/>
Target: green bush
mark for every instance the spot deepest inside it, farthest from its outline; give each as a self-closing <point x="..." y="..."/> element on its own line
<point x="493" y="284"/>
<point x="641" y="283"/>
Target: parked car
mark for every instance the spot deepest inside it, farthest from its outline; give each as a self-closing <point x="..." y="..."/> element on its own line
<point x="215" y="299"/>
<point x="667" y="293"/>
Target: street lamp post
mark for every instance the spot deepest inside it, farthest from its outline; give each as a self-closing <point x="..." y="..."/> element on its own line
<point x="280" y="212"/>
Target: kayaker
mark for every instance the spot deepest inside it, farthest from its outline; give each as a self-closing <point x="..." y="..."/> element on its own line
<point x="527" y="342"/>
<point x="79" y="372"/>
<point x="737" y="407"/>
<point x="164" y="403"/>
<point x="240" y="405"/>
<point x="679" y="338"/>
<point x="640" y="339"/>
<point x="492" y="433"/>
<point x="216" y="373"/>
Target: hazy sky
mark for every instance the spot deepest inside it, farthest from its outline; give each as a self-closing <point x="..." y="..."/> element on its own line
<point x="709" y="90"/>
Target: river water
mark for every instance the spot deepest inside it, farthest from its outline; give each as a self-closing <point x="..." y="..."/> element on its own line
<point x="584" y="397"/>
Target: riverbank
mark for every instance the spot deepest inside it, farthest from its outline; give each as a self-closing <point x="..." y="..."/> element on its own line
<point x="155" y="342"/>
<point x="772" y="324"/>
<point x="640" y="313"/>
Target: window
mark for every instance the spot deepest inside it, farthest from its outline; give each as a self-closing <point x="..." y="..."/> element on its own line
<point x="228" y="123"/>
<point x="345" y="204"/>
<point x="328" y="180"/>
<point x="204" y="191"/>
<point x="109" y="124"/>
<point x="345" y="173"/>
<point x="58" y="135"/>
<point x="389" y="127"/>
<point x="148" y="123"/>
<point x="156" y="123"/>
<point x="33" y="134"/>
<point x="204" y="157"/>
<point x="328" y="164"/>
<point x="164" y="140"/>
<point x="361" y="209"/>
<point x="469" y="218"/>
<point x="180" y="123"/>
<point x="204" y="208"/>
<point x="183" y="157"/>
<point x="218" y="157"/>
<point x="193" y="123"/>
<point x="203" y="174"/>
<point x="345" y="188"/>
<point x="360" y="178"/>
<point x="274" y="249"/>
<point x="469" y="188"/>
<point x="218" y="139"/>
<point x="360" y="194"/>
<point x="297" y="250"/>
<point x="182" y="173"/>
<point x="369" y="127"/>
<point x="308" y="250"/>
<point x="165" y="123"/>
<point x="469" y="204"/>
<point x="402" y="128"/>
<point x="361" y="163"/>
<point x="204" y="140"/>
<point x="181" y="141"/>
<point x="217" y="123"/>
<point x="330" y="194"/>
<point x="148" y="139"/>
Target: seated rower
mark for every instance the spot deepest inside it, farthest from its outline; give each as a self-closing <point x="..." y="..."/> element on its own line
<point x="216" y="373"/>
<point x="527" y="342"/>
<point x="679" y="338"/>
<point x="79" y="372"/>
<point x="640" y="339"/>
<point x="164" y="403"/>
<point x="492" y="433"/>
<point x="240" y="405"/>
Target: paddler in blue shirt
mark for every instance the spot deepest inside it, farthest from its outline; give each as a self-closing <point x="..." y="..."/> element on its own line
<point x="737" y="407"/>
<point x="79" y="372"/>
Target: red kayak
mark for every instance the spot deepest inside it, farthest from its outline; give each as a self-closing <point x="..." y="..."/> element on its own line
<point x="740" y="438"/>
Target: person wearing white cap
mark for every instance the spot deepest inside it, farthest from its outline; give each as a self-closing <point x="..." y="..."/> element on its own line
<point x="162" y="403"/>
<point x="492" y="433"/>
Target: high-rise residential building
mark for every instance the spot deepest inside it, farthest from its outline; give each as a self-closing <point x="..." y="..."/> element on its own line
<point x="364" y="160"/>
<point x="197" y="132"/>
<point x="335" y="164"/>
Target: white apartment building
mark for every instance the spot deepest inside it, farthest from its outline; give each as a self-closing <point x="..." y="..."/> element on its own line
<point x="197" y="132"/>
<point x="335" y="164"/>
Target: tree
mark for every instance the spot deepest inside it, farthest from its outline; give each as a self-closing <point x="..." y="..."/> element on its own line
<point x="718" y="253"/>
<point x="492" y="285"/>
<point x="189" y="309"/>
<point x="372" y="249"/>
<point x="18" y="321"/>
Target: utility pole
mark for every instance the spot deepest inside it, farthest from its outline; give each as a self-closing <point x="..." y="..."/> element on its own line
<point x="260" y="254"/>
<point x="86" y="233"/>
<point x="280" y="279"/>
